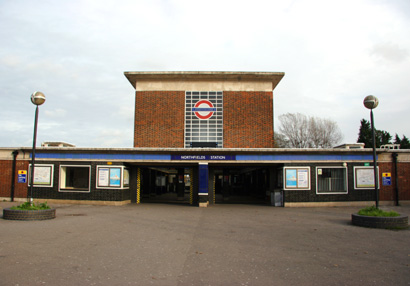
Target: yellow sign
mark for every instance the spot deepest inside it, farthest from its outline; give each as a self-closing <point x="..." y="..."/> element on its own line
<point x="386" y="174"/>
<point x="22" y="172"/>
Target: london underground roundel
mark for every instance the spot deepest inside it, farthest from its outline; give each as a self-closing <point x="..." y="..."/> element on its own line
<point x="204" y="109"/>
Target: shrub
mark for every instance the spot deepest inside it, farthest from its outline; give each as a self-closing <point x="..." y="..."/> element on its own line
<point x="373" y="211"/>
<point x="27" y="206"/>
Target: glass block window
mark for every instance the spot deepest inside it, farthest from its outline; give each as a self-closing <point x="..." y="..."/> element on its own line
<point x="203" y="119"/>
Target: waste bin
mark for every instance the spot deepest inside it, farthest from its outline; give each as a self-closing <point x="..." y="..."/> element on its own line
<point x="276" y="198"/>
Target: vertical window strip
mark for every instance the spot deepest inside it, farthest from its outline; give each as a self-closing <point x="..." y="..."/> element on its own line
<point x="212" y="125"/>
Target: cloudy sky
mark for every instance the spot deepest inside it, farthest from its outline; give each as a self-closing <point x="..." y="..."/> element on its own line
<point x="333" y="53"/>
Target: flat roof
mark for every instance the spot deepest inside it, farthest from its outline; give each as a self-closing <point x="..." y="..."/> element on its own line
<point x="273" y="77"/>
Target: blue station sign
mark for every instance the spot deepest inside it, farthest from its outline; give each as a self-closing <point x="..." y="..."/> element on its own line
<point x="386" y="179"/>
<point x="22" y="176"/>
<point x="204" y="157"/>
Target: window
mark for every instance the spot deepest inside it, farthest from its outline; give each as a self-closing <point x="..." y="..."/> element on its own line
<point x="296" y="178"/>
<point x="43" y="175"/>
<point x="331" y="180"/>
<point x="74" y="178"/>
<point x="116" y="177"/>
<point x="204" y="118"/>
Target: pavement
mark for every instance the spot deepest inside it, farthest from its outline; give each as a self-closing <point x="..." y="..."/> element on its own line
<point x="171" y="244"/>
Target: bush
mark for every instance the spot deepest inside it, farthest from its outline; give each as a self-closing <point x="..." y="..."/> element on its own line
<point x="373" y="211"/>
<point x="28" y="207"/>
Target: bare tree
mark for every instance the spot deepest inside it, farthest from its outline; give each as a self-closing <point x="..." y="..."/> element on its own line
<point x="301" y="131"/>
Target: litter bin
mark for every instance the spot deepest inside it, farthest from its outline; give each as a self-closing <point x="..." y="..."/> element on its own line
<point x="276" y="198"/>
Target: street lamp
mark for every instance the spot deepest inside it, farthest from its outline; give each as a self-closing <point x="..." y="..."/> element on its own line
<point x="37" y="98"/>
<point x="371" y="102"/>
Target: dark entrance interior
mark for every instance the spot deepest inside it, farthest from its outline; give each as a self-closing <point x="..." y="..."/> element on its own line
<point x="227" y="184"/>
<point x="161" y="184"/>
<point x="244" y="185"/>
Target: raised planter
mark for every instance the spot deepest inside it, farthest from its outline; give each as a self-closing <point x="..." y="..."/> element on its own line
<point x="29" y="214"/>
<point x="398" y="222"/>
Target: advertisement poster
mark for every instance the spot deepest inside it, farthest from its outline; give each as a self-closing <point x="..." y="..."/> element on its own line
<point x="364" y="178"/>
<point x="291" y="178"/>
<point x="126" y="178"/>
<point x="303" y="181"/>
<point x="103" y="174"/>
<point x="115" y="177"/>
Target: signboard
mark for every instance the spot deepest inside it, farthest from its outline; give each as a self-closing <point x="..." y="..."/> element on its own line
<point x="204" y="109"/>
<point x="43" y="175"/>
<point x="111" y="177"/>
<point x="291" y="178"/>
<point x="303" y="179"/>
<point x="386" y="179"/>
<point x="103" y="175"/>
<point x="364" y="177"/>
<point x="22" y="176"/>
<point x="204" y="157"/>
<point x="297" y="178"/>
<point x="115" y="177"/>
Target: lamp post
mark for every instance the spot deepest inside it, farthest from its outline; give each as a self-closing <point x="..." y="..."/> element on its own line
<point x="371" y="102"/>
<point x="37" y="98"/>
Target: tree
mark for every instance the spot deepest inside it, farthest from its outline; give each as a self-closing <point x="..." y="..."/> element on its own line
<point x="365" y="135"/>
<point x="397" y="139"/>
<point x="404" y="142"/>
<point x="280" y="141"/>
<point x="382" y="138"/>
<point x="300" y="131"/>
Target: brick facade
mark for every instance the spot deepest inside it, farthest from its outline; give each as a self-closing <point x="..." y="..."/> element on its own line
<point x="20" y="189"/>
<point x="248" y="119"/>
<point x="159" y="119"/>
<point x="388" y="193"/>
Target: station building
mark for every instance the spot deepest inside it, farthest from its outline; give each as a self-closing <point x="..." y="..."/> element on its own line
<point x="205" y="138"/>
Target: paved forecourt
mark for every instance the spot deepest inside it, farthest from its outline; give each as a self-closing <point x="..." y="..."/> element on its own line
<point x="165" y="244"/>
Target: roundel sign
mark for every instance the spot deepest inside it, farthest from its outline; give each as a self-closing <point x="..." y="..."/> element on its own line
<point x="204" y="109"/>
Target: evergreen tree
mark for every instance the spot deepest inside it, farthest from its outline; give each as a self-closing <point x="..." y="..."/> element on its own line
<point x="365" y="134"/>
<point x="382" y="138"/>
<point x="397" y="139"/>
<point x="404" y="143"/>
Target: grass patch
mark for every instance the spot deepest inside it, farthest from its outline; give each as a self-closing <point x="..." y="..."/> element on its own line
<point x="27" y="207"/>
<point x="373" y="211"/>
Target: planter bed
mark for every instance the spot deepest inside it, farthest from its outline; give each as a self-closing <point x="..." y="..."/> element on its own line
<point x="28" y="214"/>
<point x="398" y="222"/>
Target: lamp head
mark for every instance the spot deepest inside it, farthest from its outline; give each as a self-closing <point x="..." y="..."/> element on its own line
<point x="38" y="98"/>
<point x="371" y="102"/>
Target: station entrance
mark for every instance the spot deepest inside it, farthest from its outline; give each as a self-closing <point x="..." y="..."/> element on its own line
<point x="226" y="184"/>
<point x="165" y="184"/>
<point x="240" y="185"/>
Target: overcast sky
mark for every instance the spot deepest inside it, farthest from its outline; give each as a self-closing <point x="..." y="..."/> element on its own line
<point x="333" y="53"/>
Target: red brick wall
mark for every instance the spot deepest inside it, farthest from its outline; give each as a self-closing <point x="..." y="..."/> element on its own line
<point x="387" y="193"/>
<point x="20" y="189"/>
<point x="248" y="119"/>
<point x="159" y="119"/>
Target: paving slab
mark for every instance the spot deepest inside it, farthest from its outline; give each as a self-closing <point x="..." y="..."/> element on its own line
<point x="171" y="244"/>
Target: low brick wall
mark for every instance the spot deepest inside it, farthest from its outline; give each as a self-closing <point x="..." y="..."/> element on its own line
<point x="28" y="214"/>
<point x="381" y="222"/>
